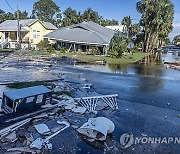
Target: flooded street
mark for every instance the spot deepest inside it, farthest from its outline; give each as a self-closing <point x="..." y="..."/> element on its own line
<point x="151" y="84"/>
<point x="148" y="99"/>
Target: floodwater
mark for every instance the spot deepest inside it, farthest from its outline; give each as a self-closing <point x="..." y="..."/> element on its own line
<point x="147" y="82"/>
<point x="149" y="103"/>
<point x="148" y="97"/>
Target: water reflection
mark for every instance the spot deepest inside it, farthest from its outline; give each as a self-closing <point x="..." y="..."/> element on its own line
<point x="146" y="66"/>
<point x="118" y="68"/>
<point x="152" y="66"/>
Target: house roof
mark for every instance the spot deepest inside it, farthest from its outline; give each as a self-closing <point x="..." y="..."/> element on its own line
<point x="26" y="92"/>
<point x="11" y="25"/>
<point x="85" y="33"/>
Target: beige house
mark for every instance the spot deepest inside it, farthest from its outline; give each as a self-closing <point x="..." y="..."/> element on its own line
<point x="31" y="30"/>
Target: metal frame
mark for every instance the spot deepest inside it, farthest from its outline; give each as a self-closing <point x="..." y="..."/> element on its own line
<point x="90" y="103"/>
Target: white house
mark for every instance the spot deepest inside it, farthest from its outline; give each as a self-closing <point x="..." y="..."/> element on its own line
<point x="118" y="28"/>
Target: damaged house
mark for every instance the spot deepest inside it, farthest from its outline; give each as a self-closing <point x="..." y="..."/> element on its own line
<point x="25" y="99"/>
<point x="82" y="37"/>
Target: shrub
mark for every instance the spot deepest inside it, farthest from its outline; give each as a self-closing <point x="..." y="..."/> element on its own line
<point x="135" y="49"/>
<point x="50" y="49"/>
<point x="118" y="46"/>
<point x="63" y="50"/>
<point x="43" y="45"/>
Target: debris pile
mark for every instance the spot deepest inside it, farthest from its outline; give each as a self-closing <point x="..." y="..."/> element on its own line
<point x="173" y="65"/>
<point x="73" y="101"/>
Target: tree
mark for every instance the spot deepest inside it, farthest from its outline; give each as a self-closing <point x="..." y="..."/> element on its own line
<point x="9" y="16"/>
<point x="118" y="45"/>
<point x="91" y="15"/>
<point x="2" y="14"/>
<point x="135" y="29"/>
<point x="126" y="22"/>
<point x="107" y="22"/>
<point x="70" y="17"/>
<point x="156" y="20"/>
<point x="22" y="15"/>
<point x="47" y="10"/>
<point x="176" y="39"/>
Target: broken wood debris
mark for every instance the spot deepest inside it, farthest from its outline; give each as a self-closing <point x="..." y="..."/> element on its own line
<point x="42" y="129"/>
<point x="39" y="131"/>
<point x="39" y="142"/>
<point x="13" y="127"/>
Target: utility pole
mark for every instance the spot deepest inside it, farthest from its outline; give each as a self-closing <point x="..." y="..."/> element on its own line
<point x="19" y="29"/>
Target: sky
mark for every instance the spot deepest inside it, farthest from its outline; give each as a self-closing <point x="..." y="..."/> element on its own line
<point x="109" y="9"/>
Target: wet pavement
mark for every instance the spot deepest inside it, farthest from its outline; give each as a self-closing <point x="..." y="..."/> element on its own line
<point x="149" y="97"/>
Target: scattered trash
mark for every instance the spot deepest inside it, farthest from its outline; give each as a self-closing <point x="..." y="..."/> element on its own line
<point x="7" y="130"/>
<point x="79" y="109"/>
<point x="87" y="86"/>
<point x="42" y="129"/>
<point x="39" y="142"/>
<point x="12" y="137"/>
<point x="42" y="115"/>
<point x="22" y="149"/>
<point x="61" y="123"/>
<point x="34" y="134"/>
<point x="97" y="128"/>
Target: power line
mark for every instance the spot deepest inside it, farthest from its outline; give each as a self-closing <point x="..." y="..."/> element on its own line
<point x="9" y="5"/>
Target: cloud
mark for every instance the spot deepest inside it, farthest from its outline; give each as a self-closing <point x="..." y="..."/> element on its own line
<point x="176" y="31"/>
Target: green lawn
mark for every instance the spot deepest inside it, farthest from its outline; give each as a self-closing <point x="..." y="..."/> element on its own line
<point x="6" y="50"/>
<point x="19" y="85"/>
<point x="128" y="58"/>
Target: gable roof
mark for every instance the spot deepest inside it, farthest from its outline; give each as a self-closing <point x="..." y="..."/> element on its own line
<point x="11" y="25"/>
<point x="85" y="32"/>
<point x="26" y="92"/>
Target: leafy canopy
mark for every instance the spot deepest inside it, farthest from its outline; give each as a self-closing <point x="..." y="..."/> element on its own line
<point x="47" y="10"/>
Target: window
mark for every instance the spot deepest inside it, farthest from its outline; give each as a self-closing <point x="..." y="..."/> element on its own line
<point x="36" y="34"/>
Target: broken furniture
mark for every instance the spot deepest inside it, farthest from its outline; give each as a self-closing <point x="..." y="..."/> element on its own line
<point x="97" y="128"/>
<point x="25" y="99"/>
<point x="90" y="103"/>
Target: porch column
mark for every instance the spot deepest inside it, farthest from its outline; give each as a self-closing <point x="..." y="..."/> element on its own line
<point x="74" y="47"/>
<point x="17" y="36"/>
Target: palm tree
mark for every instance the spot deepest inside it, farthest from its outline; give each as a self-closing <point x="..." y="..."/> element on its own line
<point x="135" y="29"/>
<point x="157" y="18"/>
<point x="126" y="22"/>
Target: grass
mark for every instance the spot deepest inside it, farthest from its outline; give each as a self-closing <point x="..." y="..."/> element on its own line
<point x="19" y="85"/>
<point x="92" y="59"/>
<point x="6" y="50"/>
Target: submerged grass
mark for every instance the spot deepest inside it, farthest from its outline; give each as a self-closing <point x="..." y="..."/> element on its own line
<point x="92" y="59"/>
